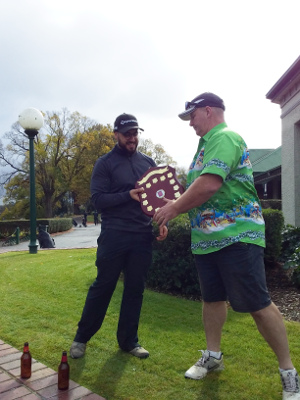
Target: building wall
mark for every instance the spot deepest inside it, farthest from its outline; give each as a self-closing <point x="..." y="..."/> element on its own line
<point x="286" y="93"/>
<point x="291" y="161"/>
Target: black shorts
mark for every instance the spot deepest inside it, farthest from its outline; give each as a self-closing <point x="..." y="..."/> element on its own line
<point x="235" y="273"/>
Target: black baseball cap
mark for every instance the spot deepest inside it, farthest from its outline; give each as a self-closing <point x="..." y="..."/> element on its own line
<point x="203" y="100"/>
<point x="125" y="122"/>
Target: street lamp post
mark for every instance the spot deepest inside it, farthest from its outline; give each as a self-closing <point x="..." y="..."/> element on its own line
<point x="32" y="120"/>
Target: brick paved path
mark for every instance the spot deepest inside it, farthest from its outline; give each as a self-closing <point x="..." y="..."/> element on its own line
<point x="41" y="385"/>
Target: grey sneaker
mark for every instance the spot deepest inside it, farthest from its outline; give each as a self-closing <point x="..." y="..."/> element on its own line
<point x="206" y="364"/>
<point x="290" y="385"/>
<point x="139" y="352"/>
<point x="77" y="349"/>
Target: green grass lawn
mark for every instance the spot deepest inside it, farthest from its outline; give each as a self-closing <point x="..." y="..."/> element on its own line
<point x="42" y="296"/>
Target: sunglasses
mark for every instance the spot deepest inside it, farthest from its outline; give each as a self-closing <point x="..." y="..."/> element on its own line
<point x="190" y="104"/>
<point x="131" y="134"/>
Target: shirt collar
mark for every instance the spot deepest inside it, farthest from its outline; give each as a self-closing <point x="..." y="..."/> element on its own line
<point x="210" y="133"/>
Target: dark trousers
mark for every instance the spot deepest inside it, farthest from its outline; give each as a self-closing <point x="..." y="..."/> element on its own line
<point x="117" y="251"/>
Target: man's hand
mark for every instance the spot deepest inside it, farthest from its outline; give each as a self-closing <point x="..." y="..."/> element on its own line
<point x="163" y="233"/>
<point x="134" y="193"/>
<point x="165" y="213"/>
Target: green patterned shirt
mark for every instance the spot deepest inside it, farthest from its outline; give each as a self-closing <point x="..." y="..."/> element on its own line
<point x="233" y="214"/>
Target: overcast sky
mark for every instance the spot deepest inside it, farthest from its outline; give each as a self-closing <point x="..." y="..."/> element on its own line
<point x="103" y="58"/>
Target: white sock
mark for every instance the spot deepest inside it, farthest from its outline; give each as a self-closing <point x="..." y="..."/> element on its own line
<point x="215" y="354"/>
<point x="289" y="369"/>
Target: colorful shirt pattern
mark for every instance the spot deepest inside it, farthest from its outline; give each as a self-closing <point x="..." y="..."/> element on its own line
<point x="234" y="213"/>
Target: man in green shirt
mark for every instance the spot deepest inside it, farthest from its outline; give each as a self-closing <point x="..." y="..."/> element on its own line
<point x="228" y="239"/>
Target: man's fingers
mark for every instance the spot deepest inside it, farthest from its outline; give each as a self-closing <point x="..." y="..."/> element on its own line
<point x="159" y="218"/>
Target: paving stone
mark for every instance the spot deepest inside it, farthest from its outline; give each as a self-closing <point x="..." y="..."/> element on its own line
<point x="42" y="383"/>
<point x="38" y="375"/>
<point x="8" y="385"/>
<point x="36" y="366"/>
<point x="70" y="394"/>
<point x="4" y="346"/>
<point x="17" y="393"/>
<point x="4" y="377"/>
<point x="10" y="357"/>
<point x="92" y="396"/>
<point x="32" y="396"/>
<point x="9" y="350"/>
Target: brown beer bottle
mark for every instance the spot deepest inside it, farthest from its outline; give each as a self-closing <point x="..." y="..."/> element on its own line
<point x="63" y="372"/>
<point x="26" y="362"/>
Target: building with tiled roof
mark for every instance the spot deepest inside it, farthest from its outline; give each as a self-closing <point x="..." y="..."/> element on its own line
<point x="266" y="164"/>
<point x="286" y="93"/>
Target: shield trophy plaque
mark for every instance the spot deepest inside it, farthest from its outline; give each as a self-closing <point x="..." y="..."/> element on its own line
<point x="158" y="182"/>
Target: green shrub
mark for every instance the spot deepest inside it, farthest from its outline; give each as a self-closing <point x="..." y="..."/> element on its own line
<point x="57" y="224"/>
<point x="290" y="242"/>
<point x="290" y="254"/>
<point x="271" y="203"/>
<point x="173" y="269"/>
<point x="296" y="276"/>
<point x="7" y="228"/>
<point x="274" y="226"/>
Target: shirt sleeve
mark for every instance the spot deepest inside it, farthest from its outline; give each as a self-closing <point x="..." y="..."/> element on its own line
<point x="222" y="154"/>
<point x="101" y="188"/>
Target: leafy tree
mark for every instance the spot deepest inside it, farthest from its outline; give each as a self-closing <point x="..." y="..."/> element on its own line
<point x="66" y="149"/>
<point x="95" y="145"/>
<point x="17" y="197"/>
<point x="181" y="175"/>
<point x="157" y="152"/>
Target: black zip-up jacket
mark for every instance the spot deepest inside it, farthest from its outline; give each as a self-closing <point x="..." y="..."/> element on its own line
<point x="114" y="175"/>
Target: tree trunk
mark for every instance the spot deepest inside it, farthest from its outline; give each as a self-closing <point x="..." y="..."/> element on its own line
<point x="48" y="207"/>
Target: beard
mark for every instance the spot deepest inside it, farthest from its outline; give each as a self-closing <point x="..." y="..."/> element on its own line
<point x="128" y="147"/>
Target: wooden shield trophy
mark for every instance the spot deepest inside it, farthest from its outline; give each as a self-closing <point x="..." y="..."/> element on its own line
<point x="158" y="182"/>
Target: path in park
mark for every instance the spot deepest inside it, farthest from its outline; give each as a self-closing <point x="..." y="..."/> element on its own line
<point x="75" y="238"/>
<point x="43" y="381"/>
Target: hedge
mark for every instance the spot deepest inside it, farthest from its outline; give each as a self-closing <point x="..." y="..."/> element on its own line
<point x="275" y="204"/>
<point x="7" y="228"/>
<point x="173" y="267"/>
<point x="274" y="227"/>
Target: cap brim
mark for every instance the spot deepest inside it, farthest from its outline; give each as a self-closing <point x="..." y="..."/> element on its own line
<point x="186" y="115"/>
<point x="128" y="129"/>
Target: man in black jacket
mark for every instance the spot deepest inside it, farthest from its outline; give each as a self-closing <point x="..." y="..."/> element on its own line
<point x="125" y="241"/>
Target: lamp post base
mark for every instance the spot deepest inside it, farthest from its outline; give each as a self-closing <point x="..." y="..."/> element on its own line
<point x="33" y="248"/>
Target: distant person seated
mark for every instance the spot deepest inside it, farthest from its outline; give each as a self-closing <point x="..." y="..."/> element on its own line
<point x="45" y="240"/>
